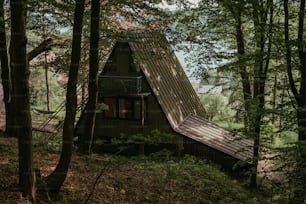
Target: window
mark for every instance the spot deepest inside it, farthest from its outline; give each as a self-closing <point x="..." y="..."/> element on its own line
<point x="111" y="103"/>
<point x="125" y="108"/>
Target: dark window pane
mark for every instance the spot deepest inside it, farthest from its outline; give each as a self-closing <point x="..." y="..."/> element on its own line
<point x="111" y="112"/>
<point x="137" y="109"/>
<point x="125" y="108"/>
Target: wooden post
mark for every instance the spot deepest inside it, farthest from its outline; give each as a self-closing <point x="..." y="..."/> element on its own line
<point x="142" y="111"/>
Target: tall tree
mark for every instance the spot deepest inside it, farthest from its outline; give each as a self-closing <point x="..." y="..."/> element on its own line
<point x="20" y="97"/>
<point x="85" y="141"/>
<point x="299" y="188"/>
<point x="253" y="83"/>
<point x="55" y="180"/>
<point x="262" y="33"/>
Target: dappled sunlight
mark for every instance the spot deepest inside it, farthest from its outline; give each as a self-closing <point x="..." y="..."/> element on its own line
<point x="46" y="170"/>
<point x="203" y="131"/>
<point x="130" y="180"/>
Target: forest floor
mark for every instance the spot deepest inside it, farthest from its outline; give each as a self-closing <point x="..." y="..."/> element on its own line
<point x="117" y="179"/>
<point x="38" y="123"/>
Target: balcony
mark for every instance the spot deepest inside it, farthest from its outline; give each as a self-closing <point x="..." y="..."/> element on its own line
<point x="109" y="84"/>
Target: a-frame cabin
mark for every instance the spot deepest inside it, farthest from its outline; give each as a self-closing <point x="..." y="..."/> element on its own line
<point x="146" y="88"/>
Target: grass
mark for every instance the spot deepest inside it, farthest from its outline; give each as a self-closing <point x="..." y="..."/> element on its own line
<point x="229" y="125"/>
<point x="152" y="179"/>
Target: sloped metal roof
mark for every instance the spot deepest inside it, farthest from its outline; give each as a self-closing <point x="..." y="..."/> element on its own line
<point x="177" y="98"/>
<point x="166" y="77"/>
<point x="201" y="130"/>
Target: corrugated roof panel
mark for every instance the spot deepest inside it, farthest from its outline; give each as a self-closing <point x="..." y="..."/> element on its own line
<point x="201" y="130"/>
<point x="166" y="77"/>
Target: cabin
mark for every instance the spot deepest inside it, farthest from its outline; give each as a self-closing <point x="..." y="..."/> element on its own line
<point x="144" y="89"/>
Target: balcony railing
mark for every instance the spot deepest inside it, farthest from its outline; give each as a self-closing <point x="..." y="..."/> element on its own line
<point x="109" y="84"/>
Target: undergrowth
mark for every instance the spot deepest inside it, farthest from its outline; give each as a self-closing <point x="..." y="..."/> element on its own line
<point x="158" y="178"/>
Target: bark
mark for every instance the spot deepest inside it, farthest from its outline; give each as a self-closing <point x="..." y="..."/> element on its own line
<point x="299" y="186"/>
<point x="288" y="51"/>
<point x="274" y="100"/>
<point x="21" y="97"/>
<point x="47" y="82"/>
<point x="5" y="73"/>
<point x="85" y="146"/>
<point x="246" y="85"/>
<point x="55" y="180"/>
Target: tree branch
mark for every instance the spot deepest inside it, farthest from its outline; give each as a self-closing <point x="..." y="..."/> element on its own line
<point x="95" y="184"/>
<point x="43" y="46"/>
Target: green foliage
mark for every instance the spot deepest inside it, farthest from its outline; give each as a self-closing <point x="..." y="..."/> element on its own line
<point x="101" y="107"/>
<point x="48" y="141"/>
<point x="154" y="138"/>
<point x="285" y="139"/>
<point x="184" y="180"/>
<point x="230" y="125"/>
<point x="272" y="138"/>
<point x="163" y="155"/>
<point x="38" y="89"/>
<point x="216" y="106"/>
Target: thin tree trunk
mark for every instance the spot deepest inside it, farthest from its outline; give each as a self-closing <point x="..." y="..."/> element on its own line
<point x="299" y="193"/>
<point x="55" y="180"/>
<point x="282" y="102"/>
<point x="255" y="99"/>
<point x="90" y="113"/>
<point x="21" y="97"/>
<point x="299" y="185"/>
<point x="273" y="118"/>
<point x="261" y="67"/>
<point x="5" y="74"/>
<point x="247" y="95"/>
<point x="47" y="82"/>
<point x="299" y="188"/>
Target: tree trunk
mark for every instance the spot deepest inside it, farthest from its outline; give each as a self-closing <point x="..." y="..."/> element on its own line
<point x="85" y="146"/>
<point x="5" y="71"/>
<point x="256" y="135"/>
<point x="273" y="117"/>
<point x="299" y="185"/>
<point x="246" y="85"/>
<point x="299" y="193"/>
<point x="263" y="38"/>
<point x="21" y="97"/>
<point x="55" y="180"/>
<point x="47" y="82"/>
<point x="5" y="74"/>
<point x="299" y="188"/>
